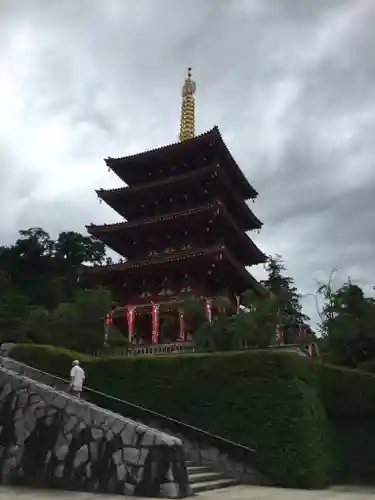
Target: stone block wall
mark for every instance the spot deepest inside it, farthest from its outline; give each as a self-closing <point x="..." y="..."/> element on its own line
<point x="50" y="439"/>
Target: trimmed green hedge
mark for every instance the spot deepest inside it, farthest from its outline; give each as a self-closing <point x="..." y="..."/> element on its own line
<point x="368" y="366"/>
<point x="310" y="423"/>
<point x="50" y="359"/>
<point x="349" y="399"/>
<point x="264" y="400"/>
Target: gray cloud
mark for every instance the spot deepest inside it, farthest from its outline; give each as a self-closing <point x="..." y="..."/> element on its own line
<point x="290" y="84"/>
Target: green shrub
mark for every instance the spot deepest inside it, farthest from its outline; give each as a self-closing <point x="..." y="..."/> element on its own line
<point x="266" y="401"/>
<point x="346" y="391"/>
<point x="50" y="359"/>
<point x="349" y="399"/>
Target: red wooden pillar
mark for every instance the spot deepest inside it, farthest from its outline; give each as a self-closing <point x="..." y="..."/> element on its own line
<point x="181" y="324"/>
<point x="208" y="306"/>
<point x="155" y="323"/>
<point x="130" y="313"/>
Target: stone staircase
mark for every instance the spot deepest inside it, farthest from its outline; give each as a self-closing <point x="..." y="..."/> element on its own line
<point x="203" y="478"/>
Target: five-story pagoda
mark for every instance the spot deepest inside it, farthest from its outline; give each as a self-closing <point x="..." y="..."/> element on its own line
<point x="184" y="231"/>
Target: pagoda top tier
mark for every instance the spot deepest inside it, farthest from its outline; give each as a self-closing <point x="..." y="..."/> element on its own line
<point x="180" y="158"/>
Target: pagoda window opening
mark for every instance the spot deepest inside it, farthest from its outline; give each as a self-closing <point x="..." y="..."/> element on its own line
<point x="168" y="250"/>
<point x="185" y="284"/>
<point x="165" y="288"/>
<point x="186" y="287"/>
<point x="145" y="289"/>
<point x="185" y="238"/>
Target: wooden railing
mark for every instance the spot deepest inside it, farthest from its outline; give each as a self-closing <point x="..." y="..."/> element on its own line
<point x="185" y="347"/>
<point x="142" y="349"/>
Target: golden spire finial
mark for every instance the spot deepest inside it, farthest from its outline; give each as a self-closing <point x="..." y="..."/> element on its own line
<point x="187" y="126"/>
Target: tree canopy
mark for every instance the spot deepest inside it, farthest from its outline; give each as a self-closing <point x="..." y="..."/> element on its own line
<point x="256" y="324"/>
<point x="40" y="298"/>
<point x="347" y="323"/>
<point x="285" y="290"/>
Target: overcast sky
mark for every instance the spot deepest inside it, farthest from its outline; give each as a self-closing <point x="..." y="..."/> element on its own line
<point x="291" y="85"/>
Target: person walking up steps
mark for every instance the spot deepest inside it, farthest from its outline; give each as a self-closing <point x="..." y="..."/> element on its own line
<point x="77" y="377"/>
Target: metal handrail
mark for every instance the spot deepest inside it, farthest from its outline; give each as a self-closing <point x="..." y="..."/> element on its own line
<point x="146" y="410"/>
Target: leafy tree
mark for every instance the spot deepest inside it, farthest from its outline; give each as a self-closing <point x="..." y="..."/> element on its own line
<point x="37" y="327"/>
<point x="40" y="297"/>
<point x="91" y="309"/>
<point x="253" y="327"/>
<point x="194" y="315"/>
<point x="262" y="314"/>
<point x="74" y="249"/>
<point x="283" y="288"/>
<point x="64" y="326"/>
<point x="347" y="323"/>
<point x="13" y="312"/>
<point x="44" y="271"/>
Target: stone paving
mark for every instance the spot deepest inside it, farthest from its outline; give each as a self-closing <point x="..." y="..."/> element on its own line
<point x="235" y="493"/>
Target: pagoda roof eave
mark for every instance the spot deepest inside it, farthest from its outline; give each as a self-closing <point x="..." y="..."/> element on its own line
<point x="209" y="138"/>
<point x="103" y="193"/>
<point x="112" y="196"/>
<point x="165" y="259"/>
<point x="96" y="230"/>
<point x="142" y="156"/>
<point x="248" y="191"/>
<point x="219" y="252"/>
<point x="248" y="242"/>
<point x="106" y="233"/>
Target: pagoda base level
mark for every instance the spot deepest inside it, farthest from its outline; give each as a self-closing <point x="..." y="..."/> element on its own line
<point x="169" y="320"/>
<point x="172" y="306"/>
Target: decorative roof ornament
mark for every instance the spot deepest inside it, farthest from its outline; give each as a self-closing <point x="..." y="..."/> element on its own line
<point x="187" y="125"/>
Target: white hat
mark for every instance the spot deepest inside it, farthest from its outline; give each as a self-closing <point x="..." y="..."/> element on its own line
<point x="75" y="362"/>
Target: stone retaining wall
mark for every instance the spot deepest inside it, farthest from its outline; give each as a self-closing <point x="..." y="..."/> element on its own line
<point x="50" y="439"/>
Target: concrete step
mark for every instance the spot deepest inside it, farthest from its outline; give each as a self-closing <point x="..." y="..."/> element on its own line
<point x="212" y="485"/>
<point x="195" y="469"/>
<point x="203" y="477"/>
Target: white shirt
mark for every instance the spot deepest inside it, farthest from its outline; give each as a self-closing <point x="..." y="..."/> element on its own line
<point x="77" y="377"/>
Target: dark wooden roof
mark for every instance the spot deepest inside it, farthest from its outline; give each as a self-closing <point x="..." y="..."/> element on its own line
<point x="122" y="199"/>
<point x="119" y="236"/>
<point x="97" y="230"/>
<point x="164" y="259"/>
<point x="160" y="154"/>
<point x="193" y="176"/>
<point x="127" y="168"/>
<point x="218" y="254"/>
